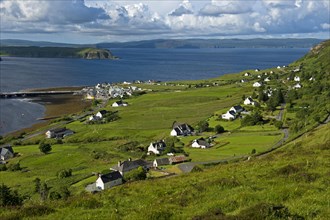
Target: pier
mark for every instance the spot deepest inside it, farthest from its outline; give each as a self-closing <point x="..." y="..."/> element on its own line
<point x="7" y="95"/>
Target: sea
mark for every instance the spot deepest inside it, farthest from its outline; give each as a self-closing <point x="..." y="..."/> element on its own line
<point x="17" y="73"/>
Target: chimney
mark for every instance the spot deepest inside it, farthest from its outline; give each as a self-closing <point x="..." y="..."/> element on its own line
<point x="119" y="163"/>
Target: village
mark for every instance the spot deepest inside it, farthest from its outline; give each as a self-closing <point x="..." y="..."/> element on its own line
<point x="158" y="149"/>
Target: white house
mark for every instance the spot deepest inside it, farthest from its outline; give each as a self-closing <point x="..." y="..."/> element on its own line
<point x="247" y="74"/>
<point x="6" y="152"/>
<point x="249" y="101"/>
<point x="311" y="79"/>
<point x="181" y="130"/>
<point x="230" y="115"/>
<point x="297" y="79"/>
<point x="157" y="147"/>
<point x="267" y="79"/>
<point x="237" y="109"/>
<point x="297" y="86"/>
<point x="119" y="103"/>
<point x="101" y="114"/>
<point x="106" y="181"/>
<point x="257" y="84"/>
<point x="278" y="67"/>
<point x="58" y="133"/>
<point x="257" y="70"/>
<point x="160" y="162"/>
<point x="200" y="143"/>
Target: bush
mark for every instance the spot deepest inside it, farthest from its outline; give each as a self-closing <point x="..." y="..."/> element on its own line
<point x="3" y="167"/>
<point x="14" y="167"/>
<point x="278" y="124"/>
<point x="219" y="129"/>
<point x="64" y="173"/>
<point x="136" y="174"/>
<point x="45" y="148"/>
<point x="250" y="120"/>
<point x="8" y="197"/>
<point x="36" y="210"/>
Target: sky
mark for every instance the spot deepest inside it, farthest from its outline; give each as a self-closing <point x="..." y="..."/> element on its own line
<point x="93" y="21"/>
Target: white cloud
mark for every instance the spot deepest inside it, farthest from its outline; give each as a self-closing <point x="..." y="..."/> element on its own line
<point x="115" y="19"/>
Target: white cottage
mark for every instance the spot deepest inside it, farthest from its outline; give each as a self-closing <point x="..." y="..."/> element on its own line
<point x="157" y="147"/>
<point x="119" y="103"/>
<point x="297" y="79"/>
<point x="230" y="115"/>
<point x="200" y="143"/>
<point x="249" y="101"/>
<point x="106" y="181"/>
<point x="257" y="84"/>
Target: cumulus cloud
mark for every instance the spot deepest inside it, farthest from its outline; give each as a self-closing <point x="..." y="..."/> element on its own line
<point x="184" y="8"/>
<point x="148" y="19"/>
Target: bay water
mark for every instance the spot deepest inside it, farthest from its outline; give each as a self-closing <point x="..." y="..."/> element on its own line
<point x="17" y="73"/>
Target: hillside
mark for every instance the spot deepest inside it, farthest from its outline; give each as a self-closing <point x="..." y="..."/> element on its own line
<point x="271" y="163"/>
<point x="56" y="52"/>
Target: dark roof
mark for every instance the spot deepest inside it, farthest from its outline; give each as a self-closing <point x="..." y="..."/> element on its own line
<point x="162" y="161"/>
<point x="182" y="129"/>
<point x="232" y="112"/>
<point x="111" y="177"/>
<point x="129" y="165"/>
<point x="237" y="107"/>
<point x="121" y="102"/>
<point x="159" y="144"/>
<point x="103" y="112"/>
<point x="7" y="147"/>
<point x="57" y="130"/>
<point x="202" y="141"/>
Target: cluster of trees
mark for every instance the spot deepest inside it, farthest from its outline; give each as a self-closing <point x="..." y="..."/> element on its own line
<point x="9" y="197"/>
<point x="47" y="192"/>
<point x="109" y="116"/>
<point x="253" y="119"/>
<point x="136" y="174"/>
<point x="64" y="173"/>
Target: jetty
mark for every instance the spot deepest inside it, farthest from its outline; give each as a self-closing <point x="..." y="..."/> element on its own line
<point x="6" y="95"/>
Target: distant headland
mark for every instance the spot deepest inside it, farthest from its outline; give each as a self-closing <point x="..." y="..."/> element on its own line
<point x="56" y="52"/>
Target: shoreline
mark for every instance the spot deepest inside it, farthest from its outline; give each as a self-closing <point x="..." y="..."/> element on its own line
<point x="56" y="106"/>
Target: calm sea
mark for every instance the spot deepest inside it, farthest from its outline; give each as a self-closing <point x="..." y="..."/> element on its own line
<point x="135" y="64"/>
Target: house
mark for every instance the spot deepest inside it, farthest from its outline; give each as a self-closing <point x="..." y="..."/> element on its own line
<point x="160" y="162"/>
<point x="237" y="109"/>
<point x="6" y="152"/>
<point x="200" y="143"/>
<point x="119" y="103"/>
<point x="242" y="81"/>
<point x="267" y="79"/>
<point x="106" y="181"/>
<point x="181" y="130"/>
<point x="278" y="67"/>
<point x="157" y="147"/>
<point x="230" y="115"/>
<point x="297" y="86"/>
<point x="93" y="118"/>
<point x="101" y="114"/>
<point x="297" y="79"/>
<point x="312" y="79"/>
<point x="257" y="84"/>
<point x="58" y="133"/>
<point x="128" y="165"/>
<point x="257" y="70"/>
<point x="248" y="101"/>
<point x="178" y="159"/>
<point x="247" y="74"/>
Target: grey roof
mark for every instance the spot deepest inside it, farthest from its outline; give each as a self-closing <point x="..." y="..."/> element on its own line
<point x="182" y="129"/>
<point x="103" y="112"/>
<point x="203" y="142"/>
<point x="232" y="112"/>
<point x="129" y="165"/>
<point x="7" y="147"/>
<point x="238" y="107"/>
<point x="111" y="177"/>
<point x="159" y="144"/>
<point x="162" y="161"/>
<point x="58" y="130"/>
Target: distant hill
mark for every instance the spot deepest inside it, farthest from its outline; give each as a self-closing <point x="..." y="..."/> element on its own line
<point x="179" y="43"/>
<point x="56" y="52"/>
<point x="215" y="43"/>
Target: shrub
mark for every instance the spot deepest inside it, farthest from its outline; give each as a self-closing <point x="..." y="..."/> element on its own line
<point x="136" y="174"/>
<point x="45" y="148"/>
<point x="3" y="167"/>
<point x="36" y="210"/>
<point x="14" y="167"/>
<point x="219" y="129"/>
<point x="64" y="173"/>
<point x="9" y="197"/>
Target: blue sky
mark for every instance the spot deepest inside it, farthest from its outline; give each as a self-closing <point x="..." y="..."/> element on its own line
<point x="92" y="21"/>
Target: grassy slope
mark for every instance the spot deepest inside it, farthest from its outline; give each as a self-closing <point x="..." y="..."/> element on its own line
<point x="296" y="176"/>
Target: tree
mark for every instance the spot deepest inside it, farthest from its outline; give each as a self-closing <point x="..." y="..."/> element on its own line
<point x="64" y="173"/>
<point x="202" y="126"/>
<point x="37" y="185"/>
<point x="136" y="174"/>
<point x="45" y="148"/>
<point x="9" y="197"/>
<point x="219" y="129"/>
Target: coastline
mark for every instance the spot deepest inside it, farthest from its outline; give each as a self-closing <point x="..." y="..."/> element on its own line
<point x="55" y="106"/>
